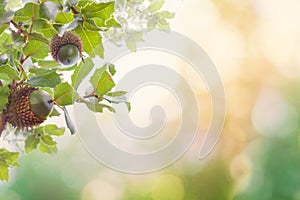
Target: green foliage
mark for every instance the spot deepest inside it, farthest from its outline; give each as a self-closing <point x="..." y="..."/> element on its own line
<point x="25" y="34"/>
<point x="7" y="159"/>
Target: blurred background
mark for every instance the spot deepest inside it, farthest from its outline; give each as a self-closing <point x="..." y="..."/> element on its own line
<point x="255" y="46"/>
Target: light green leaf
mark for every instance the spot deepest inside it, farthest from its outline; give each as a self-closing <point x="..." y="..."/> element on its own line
<point x="92" y="41"/>
<point x="3" y="28"/>
<point x="45" y="148"/>
<point x="27" y="12"/>
<point x="44" y="27"/>
<point x="64" y="94"/>
<point x="156" y="5"/>
<point x="3" y="97"/>
<point x="48" y="63"/>
<point x="7" y="159"/>
<point x="69" y="122"/>
<point x="98" y="107"/>
<point x="102" y="81"/>
<point x="38" y="37"/>
<point x="116" y="94"/>
<point x="50" y="79"/>
<point x="166" y="14"/>
<point x="9" y="71"/>
<point x="31" y="143"/>
<point x="100" y="10"/>
<point x="112" y="69"/>
<point x="36" y="49"/>
<point x="10" y="158"/>
<point x="52" y="129"/>
<point x="3" y="172"/>
<point x="81" y="72"/>
<point x="64" y="17"/>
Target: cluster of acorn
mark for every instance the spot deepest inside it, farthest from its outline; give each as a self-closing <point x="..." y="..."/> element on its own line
<point x="30" y="106"/>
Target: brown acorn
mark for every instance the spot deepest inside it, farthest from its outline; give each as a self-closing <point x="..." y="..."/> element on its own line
<point x="27" y="106"/>
<point x="66" y="49"/>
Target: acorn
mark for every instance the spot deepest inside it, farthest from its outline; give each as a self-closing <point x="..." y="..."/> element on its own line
<point x="66" y="49"/>
<point x="27" y="106"/>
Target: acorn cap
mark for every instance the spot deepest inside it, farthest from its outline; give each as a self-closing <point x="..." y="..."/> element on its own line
<point x="18" y="109"/>
<point x="69" y="37"/>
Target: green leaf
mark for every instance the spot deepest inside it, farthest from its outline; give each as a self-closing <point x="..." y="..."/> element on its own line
<point x="54" y="113"/>
<point x="27" y="12"/>
<point x="92" y="41"/>
<point x="166" y="14"/>
<point x="31" y="143"/>
<point x="44" y="27"/>
<point x="52" y="129"/>
<point x="48" y="63"/>
<point x="50" y="79"/>
<point x="45" y="148"/>
<point x="98" y="107"/>
<point x="100" y="10"/>
<point x="38" y="37"/>
<point x="3" y="97"/>
<point x="7" y="159"/>
<point x="10" y="158"/>
<point x="36" y="49"/>
<point x="128" y="104"/>
<point x="3" y="172"/>
<point x="69" y="122"/>
<point x="111" y="22"/>
<point x="81" y="72"/>
<point x="116" y="94"/>
<point x="9" y="71"/>
<point x="39" y="71"/>
<point x="156" y="5"/>
<point x="64" y="94"/>
<point x="102" y="81"/>
<point x="3" y="27"/>
<point x="64" y="17"/>
<point x="47" y="139"/>
<point x="112" y="69"/>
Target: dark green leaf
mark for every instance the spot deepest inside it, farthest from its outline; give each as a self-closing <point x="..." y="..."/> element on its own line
<point x="31" y="143"/>
<point x="64" y="94"/>
<point x="81" y="72"/>
<point x="36" y="49"/>
<point x="64" y="17"/>
<point x="27" y="12"/>
<point x="50" y="79"/>
<point x="69" y="122"/>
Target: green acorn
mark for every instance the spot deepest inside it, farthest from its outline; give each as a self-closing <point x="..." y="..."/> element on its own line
<point x="27" y="106"/>
<point x="66" y="49"/>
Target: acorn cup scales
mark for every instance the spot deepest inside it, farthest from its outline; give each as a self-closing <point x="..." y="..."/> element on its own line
<point x="66" y="49"/>
<point x="27" y="106"/>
